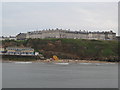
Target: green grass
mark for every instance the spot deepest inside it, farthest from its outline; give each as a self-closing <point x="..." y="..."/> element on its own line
<point x="70" y="48"/>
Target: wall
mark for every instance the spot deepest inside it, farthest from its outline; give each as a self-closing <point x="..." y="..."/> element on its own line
<point x="58" y="33"/>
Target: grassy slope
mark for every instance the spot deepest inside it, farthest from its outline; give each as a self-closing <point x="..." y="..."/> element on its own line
<point x="71" y="48"/>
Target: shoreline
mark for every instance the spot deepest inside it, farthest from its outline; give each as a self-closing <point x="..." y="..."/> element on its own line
<point x="58" y="61"/>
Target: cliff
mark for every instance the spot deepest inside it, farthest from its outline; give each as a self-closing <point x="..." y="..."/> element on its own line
<point x="71" y="48"/>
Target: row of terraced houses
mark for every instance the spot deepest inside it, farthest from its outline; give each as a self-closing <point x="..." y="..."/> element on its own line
<point x="60" y="33"/>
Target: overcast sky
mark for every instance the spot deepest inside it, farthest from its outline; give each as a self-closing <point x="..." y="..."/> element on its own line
<point x="29" y="16"/>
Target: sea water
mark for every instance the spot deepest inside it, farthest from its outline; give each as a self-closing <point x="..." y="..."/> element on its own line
<point x="50" y="75"/>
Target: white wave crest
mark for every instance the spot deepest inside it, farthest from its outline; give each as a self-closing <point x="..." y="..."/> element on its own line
<point x="22" y="62"/>
<point x="85" y="63"/>
<point x="62" y="63"/>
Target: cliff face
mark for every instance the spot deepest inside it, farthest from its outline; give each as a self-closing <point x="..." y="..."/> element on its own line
<point x="71" y="48"/>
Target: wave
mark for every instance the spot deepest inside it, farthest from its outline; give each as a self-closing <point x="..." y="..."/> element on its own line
<point x="96" y="63"/>
<point x="22" y="62"/>
<point x="86" y="63"/>
<point x="62" y="63"/>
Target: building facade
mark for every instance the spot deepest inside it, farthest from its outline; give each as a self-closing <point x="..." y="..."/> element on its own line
<point x="19" y="51"/>
<point x="21" y="36"/>
<point x="59" y="33"/>
<point x="8" y="38"/>
<point x="2" y="50"/>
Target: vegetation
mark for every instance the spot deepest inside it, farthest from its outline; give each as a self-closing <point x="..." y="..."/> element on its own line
<point x="70" y="48"/>
<point x="19" y="58"/>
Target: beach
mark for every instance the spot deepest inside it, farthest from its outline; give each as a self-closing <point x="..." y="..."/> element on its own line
<point x="59" y="61"/>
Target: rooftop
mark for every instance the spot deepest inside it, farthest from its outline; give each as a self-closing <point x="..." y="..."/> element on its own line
<point x="69" y="31"/>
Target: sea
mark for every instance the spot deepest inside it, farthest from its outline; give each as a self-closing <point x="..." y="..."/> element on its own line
<point x="55" y="75"/>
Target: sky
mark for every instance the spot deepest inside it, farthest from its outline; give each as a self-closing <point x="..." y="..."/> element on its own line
<point x="22" y="17"/>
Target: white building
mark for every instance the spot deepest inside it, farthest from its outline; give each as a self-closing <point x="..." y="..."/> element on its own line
<point x="59" y="33"/>
<point x="20" y="51"/>
<point x="8" y="38"/>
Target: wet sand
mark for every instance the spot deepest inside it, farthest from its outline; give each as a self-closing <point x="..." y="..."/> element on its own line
<point x="60" y="61"/>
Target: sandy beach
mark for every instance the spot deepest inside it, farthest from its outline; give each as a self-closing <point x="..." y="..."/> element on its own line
<point x="59" y="61"/>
